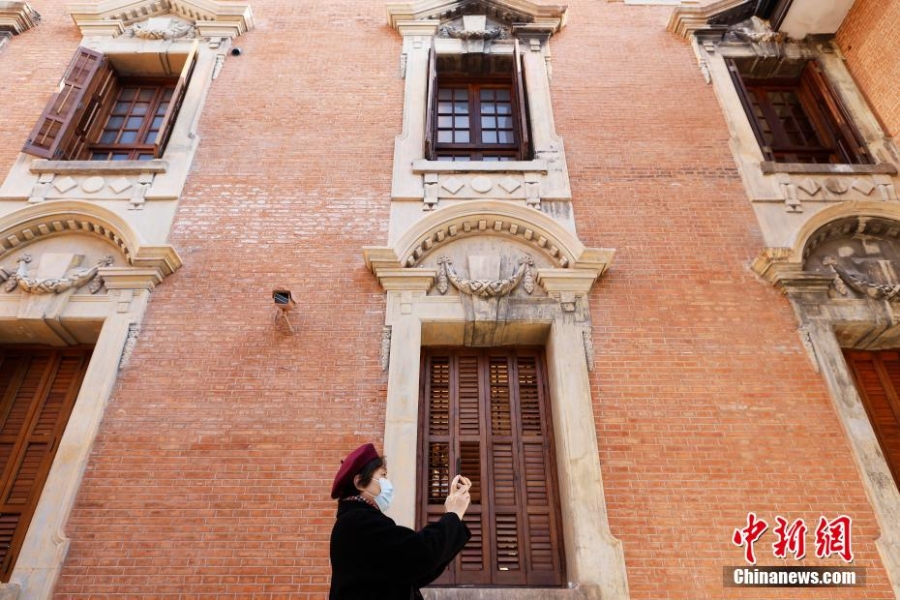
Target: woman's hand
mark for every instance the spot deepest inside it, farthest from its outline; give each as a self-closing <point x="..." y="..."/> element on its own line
<point x="458" y="500"/>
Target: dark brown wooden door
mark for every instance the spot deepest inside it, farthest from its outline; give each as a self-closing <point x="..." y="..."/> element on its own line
<point x="485" y="414"/>
<point x="37" y="392"/>
<point x="877" y="377"/>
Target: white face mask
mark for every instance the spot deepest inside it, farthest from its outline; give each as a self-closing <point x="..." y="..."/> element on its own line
<point x="383" y="500"/>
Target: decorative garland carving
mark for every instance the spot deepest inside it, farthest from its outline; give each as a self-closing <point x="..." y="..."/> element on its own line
<point x="77" y="278"/>
<point x="491" y="33"/>
<point x="485" y="288"/>
<point x="870" y="289"/>
<point x="174" y="31"/>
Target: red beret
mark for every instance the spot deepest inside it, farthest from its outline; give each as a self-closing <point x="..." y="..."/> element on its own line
<point x="352" y="466"/>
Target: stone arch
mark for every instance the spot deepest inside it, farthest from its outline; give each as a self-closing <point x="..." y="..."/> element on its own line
<point x="844" y="210"/>
<point x="51" y="219"/>
<point x="491" y="217"/>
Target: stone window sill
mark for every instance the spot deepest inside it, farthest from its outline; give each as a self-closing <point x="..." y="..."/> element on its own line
<point x="95" y="167"/>
<point x="769" y="167"/>
<point x="578" y="592"/>
<point x="477" y="166"/>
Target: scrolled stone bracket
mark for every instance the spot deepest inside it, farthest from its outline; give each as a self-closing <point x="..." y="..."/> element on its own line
<point x="134" y="330"/>
<point x="79" y="277"/>
<point x="483" y="288"/>
<point x="385" y="347"/>
<point x="588" y="340"/>
<point x="806" y="339"/>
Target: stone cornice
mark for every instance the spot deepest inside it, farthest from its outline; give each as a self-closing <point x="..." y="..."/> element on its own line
<point x="550" y="16"/>
<point x="687" y="20"/>
<point x="211" y="17"/>
<point x="17" y="17"/>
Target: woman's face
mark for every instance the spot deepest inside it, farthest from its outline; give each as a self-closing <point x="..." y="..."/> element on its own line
<point x="374" y="488"/>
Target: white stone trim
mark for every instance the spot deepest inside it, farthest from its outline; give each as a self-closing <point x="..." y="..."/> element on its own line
<point x="594" y="558"/>
<point x="44" y="550"/>
<point x="785" y="196"/>
<point x="552" y="16"/>
<point x="530" y="182"/>
<point x="819" y="317"/>
<point x="120" y="311"/>
<point x="36" y="222"/>
<point x="213" y="18"/>
<point x="687" y="19"/>
<point x="17" y="17"/>
<point x="495" y="218"/>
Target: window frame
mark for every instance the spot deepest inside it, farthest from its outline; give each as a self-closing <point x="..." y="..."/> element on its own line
<point x="72" y="122"/>
<point x="519" y="150"/>
<point x="486" y="503"/>
<point x="477" y="149"/>
<point x="820" y="105"/>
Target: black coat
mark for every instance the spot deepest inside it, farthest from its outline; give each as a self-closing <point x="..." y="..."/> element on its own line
<point x="373" y="558"/>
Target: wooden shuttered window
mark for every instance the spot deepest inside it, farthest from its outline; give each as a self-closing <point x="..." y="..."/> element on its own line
<point x="61" y="130"/>
<point x="431" y="103"/>
<point x="37" y="392"/>
<point x="799" y="119"/>
<point x="95" y="115"/>
<point x="480" y="117"/>
<point x="485" y="414"/>
<point x="877" y="376"/>
<point x="521" y="102"/>
<point x="165" y="128"/>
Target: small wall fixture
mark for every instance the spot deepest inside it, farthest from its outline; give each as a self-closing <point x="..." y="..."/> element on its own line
<point x="284" y="303"/>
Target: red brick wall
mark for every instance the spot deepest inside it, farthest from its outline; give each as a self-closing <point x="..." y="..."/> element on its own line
<point x="211" y="472"/>
<point x="869" y="38"/>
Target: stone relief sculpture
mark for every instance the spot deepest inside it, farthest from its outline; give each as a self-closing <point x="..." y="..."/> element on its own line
<point x="133" y="331"/>
<point x="860" y="283"/>
<point x="161" y="29"/>
<point x="489" y="33"/>
<point x="754" y="30"/>
<point x="53" y="285"/>
<point x="484" y="288"/>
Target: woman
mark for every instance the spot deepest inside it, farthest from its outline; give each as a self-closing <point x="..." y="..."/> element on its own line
<point x="371" y="556"/>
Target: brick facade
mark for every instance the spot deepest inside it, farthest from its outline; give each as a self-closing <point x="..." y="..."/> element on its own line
<point x="211" y="470"/>
<point x="869" y="38"/>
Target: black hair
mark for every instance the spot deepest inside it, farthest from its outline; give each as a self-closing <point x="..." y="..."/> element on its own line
<point x="365" y="477"/>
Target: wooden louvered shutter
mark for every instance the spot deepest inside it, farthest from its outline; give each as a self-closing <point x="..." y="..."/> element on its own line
<point x="485" y="415"/>
<point x="836" y="121"/>
<point x="521" y="103"/>
<point x="877" y="376"/>
<point x="431" y="102"/>
<point x="60" y="130"/>
<point x="165" y="129"/>
<point x="37" y="393"/>
<point x="749" y="109"/>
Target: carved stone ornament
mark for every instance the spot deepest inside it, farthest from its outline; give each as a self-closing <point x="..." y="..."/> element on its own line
<point x="860" y="283"/>
<point x="133" y="330"/>
<point x="754" y="30"/>
<point x="161" y="29"/>
<point x="806" y="340"/>
<point x="588" y="348"/>
<point x="490" y="33"/>
<point x="484" y="288"/>
<point x="385" y="347"/>
<point x="73" y="280"/>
